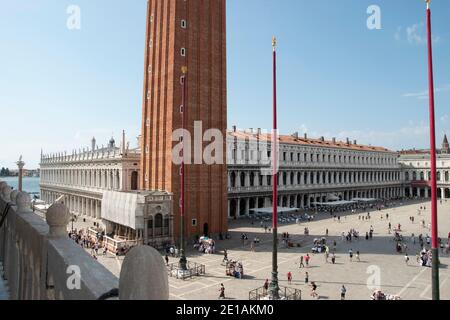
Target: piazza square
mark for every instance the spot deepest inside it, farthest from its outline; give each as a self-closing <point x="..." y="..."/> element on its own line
<point x="187" y="150"/>
<point x="410" y="282"/>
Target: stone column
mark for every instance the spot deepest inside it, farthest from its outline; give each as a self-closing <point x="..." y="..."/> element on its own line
<point x="20" y="165"/>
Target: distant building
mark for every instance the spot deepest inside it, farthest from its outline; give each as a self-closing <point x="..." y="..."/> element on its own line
<point x="310" y="171"/>
<point x="416" y="170"/>
<point x="84" y="177"/>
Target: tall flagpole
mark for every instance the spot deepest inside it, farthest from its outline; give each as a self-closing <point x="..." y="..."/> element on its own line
<point x="434" y="218"/>
<point x="183" y="260"/>
<point x="274" y="288"/>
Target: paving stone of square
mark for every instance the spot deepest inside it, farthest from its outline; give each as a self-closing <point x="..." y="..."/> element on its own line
<point x="378" y="256"/>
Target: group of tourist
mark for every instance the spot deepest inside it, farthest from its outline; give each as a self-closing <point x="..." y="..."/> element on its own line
<point x="87" y="242"/>
<point x="235" y="269"/>
<point x="205" y="245"/>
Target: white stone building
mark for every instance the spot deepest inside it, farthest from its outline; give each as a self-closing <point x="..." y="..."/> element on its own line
<point x="416" y="172"/>
<point x="84" y="177"/>
<point x="310" y="170"/>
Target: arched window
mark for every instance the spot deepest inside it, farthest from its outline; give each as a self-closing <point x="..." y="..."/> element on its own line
<point x="242" y="179"/>
<point x="158" y="224"/>
<point x="233" y="179"/>
<point x="166" y="231"/>
<point x="134" y="180"/>
<point x="252" y="179"/>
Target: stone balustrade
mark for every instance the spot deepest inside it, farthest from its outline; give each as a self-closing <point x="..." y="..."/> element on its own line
<point x="41" y="262"/>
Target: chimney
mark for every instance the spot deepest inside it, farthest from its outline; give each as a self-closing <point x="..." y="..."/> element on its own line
<point x="355" y="142"/>
<point x="295" y="136"/>
<point x="306" y="136"/>
<point x="322" y="139"/>
<point x="348" y="141"/>
<point x="234" y="128"/>
<point x="251" y="130"/>
<point x="259" y="131"/>
<point x="334" y="140"/>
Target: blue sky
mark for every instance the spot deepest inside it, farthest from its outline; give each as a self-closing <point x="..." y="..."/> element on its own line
<point x="337" y="78"/>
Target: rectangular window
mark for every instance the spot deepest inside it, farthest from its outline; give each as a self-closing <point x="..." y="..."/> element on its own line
<point x="194" y="222"/>
<point x="183" y="24"/>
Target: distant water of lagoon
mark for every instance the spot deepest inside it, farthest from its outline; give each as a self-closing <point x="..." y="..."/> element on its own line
<point x="30" y="184"/>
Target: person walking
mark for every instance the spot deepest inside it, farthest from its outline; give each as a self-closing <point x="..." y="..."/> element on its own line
<point x="307" y="258"/>
<point x="350" y="254"/>
<point x="266" y="286"/>
<point x="333" y="259"/>
<point x="313" y="290"/>
<point x="357" y="256"/>
<point x="167" y="260"/>
<point x="406" y="258"/>
<point x="225" y="255"/>
<point x="301" y="263"/>
<point x="289" y="277"/>
<point x="222" y="291"/>
<point x="306" y="278"/>
<point x="343" y="292"/>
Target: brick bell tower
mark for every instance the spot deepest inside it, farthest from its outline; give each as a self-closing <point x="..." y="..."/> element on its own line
<point x="189" y="33"/>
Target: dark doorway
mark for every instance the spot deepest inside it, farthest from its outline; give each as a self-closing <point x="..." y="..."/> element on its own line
<point x="206" y="230"/>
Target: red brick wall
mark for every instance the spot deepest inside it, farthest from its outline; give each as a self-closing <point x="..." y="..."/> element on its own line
<point x="205" y="42"/>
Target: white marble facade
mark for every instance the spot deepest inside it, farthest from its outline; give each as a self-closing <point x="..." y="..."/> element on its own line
<point x="84" y="175"/>
<point x="310" y="170"/>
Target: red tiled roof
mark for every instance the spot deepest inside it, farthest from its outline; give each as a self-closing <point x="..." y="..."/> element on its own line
<point x="307" y="142"/>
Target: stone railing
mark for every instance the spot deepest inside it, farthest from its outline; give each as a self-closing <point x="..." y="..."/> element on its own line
<point x="40" y="262"/>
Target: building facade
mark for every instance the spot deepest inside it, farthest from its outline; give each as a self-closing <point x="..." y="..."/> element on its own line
<point x="416" y="171"/>
<point x="97" y="182"/>
<point x="310" y="170"/>
<point x="192" y="34"/>
<point x="84" y="175"/>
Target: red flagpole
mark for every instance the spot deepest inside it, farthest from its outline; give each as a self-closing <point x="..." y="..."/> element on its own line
<point x="274" y="287"/>
<point x="434" y="217"/>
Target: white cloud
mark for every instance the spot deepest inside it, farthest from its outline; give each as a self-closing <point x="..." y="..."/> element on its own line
<point x="415" y="34"/>
<point x="424" y="94"/>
